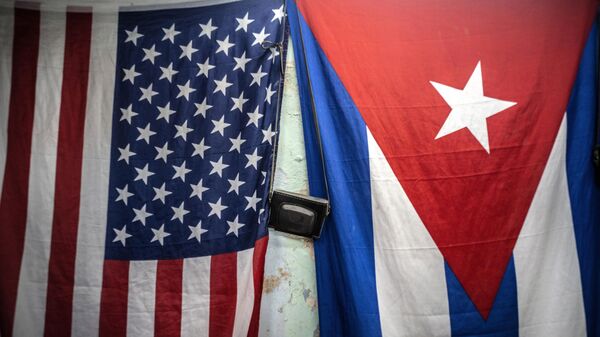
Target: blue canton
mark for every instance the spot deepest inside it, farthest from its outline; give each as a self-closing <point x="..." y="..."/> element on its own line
<point x="193" y="130"/>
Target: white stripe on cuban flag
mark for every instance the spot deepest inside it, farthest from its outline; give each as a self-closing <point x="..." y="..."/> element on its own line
<point x="31" y="295"/>
<point x="411" y="281"/>
<point x="94" y="176"/>
<point x="546" y="262"/>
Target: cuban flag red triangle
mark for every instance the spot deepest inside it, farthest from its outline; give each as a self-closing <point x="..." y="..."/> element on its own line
<point x="466" y="121"/>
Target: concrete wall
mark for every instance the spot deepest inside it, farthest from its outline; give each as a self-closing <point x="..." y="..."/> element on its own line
<point x="289" y="302"/>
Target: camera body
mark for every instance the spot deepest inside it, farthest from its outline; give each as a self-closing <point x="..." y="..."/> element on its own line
<point x="298" y="214"/>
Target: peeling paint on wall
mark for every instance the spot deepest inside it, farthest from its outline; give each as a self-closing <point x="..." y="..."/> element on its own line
<point x="273" y="281"/>
<point x="289" y="301"/>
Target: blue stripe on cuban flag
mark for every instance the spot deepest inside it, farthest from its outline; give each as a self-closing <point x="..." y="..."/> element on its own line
<point x="584" y="195"/>
<point x="557" y="296"/>
<point x="347" y="155"/>
<point x="465" y="320"/>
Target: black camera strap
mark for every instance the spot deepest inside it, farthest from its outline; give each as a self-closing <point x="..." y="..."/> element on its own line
<point x="314" y="117"/>
<point x="313" y="109"/>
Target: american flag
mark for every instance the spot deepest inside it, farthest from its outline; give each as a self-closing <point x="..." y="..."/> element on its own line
<point x="135" y="150"/>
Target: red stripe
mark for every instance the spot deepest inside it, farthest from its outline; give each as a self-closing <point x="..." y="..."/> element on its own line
<point x="258" y="269"/>
<point x="13" y="205"/>
<point x="61" y="270"/>
<point x="223" y="293"/>
<point x="113" y="303"/>
<point x="167" y="310"/>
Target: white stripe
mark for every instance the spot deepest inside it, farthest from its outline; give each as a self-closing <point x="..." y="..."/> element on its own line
<point x="31" y="296"/>
<point x="6" y="41"/>
<point x="144" y="5"/>
<point x="112" y="6"/>
<point x="546" y="263"/>
<point x="195" y="297"/>
<point x="245" y="293"/>
<point x="410" y="275"/>
<point x="91" y="233"/>
<point x="141" y="297"/>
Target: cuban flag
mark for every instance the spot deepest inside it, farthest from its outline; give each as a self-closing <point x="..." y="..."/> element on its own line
<point x="457" y="138"/>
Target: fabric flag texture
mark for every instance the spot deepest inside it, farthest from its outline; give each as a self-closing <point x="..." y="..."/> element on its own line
<point x="463" y="200"/>
<point x="136" y="152"/>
